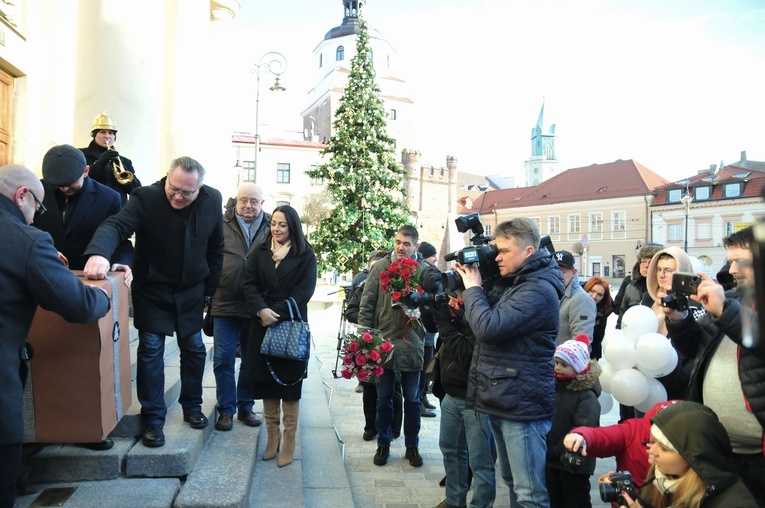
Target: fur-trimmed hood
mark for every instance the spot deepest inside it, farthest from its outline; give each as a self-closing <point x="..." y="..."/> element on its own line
<point x="588" y="380"/>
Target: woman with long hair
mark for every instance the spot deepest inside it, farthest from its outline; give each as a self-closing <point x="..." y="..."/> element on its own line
<point x="690" y="456"/>
<point x="283" y="266"/>
<point x="600" y="291"/>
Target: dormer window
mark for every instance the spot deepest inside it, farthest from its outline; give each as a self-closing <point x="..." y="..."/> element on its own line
<point x="702" y="193"/>
<point x="674" y="195"/>
<point x="732" y="190"/>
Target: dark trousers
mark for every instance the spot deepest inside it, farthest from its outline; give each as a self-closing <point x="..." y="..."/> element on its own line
<point x="751" y="469"/>
<point x="370" y="407"/>
<point x="567" y="490"/>
<point x="10" y="462"/>
<point x="425" y="379"/>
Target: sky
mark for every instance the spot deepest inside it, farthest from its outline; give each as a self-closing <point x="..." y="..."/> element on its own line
<point x="676" y="86"/>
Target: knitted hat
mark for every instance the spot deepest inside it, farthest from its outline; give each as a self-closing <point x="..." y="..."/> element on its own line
<point x="575" y="353"/>
<point x="660" y="438"/>
<point x="426" y="250"/>
<point x="63" y="165"/>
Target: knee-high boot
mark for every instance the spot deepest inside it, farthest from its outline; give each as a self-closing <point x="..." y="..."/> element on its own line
<point x="271" y="415"/>
<point x="291" y="409"/>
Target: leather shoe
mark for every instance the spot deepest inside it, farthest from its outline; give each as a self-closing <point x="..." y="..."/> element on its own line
<point x="196" y="420"/>
<point x="369" y="435"/>
<point x="106" y="444"/>
<point x="154" y="437"/>
<point x="426" y="403"/>
<point x="225" y="422"/>
<point x="249" y="418"/>
<point x="427" y="413"/>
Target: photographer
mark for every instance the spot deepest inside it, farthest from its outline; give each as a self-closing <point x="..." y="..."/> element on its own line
<point x="728" y="377"/>
<point x="510" y="377"/>
<point x="690" y="460"/>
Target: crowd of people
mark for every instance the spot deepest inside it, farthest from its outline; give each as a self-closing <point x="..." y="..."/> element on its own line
<point x="513" y="364"/>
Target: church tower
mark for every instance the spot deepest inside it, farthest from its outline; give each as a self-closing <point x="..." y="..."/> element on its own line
<point x="333" y="61"/>
<point x="543" y="163"/>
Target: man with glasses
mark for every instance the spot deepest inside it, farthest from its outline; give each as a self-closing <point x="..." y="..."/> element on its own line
<point x="77" y="205"/>
<point x="729" y="376"/>
<point x="245" y="226"/>
<point x="179" y="255"/>
<point x="31" y="274"/>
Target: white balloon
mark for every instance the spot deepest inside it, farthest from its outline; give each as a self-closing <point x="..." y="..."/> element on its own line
<point x="653" y="350"/>
<point x="639" y="320"/>
<point x="629" y="386"/>
<point x="607" y="372"/>
<point x="606" y="403"/>
<point x="656" y="393"/>
<point x="696" y="265"/>
<point x="610" y="334"/>
<point x="620" y="353"/>
<point x="663" y="370"/>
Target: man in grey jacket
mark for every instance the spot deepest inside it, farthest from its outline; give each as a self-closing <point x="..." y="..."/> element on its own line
<point x="577" y="308"/>
<point x="245" y="226"/>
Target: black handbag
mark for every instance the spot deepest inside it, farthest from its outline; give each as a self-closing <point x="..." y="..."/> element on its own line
<point x="207" y="324"/>
<point x="288" y="339"/>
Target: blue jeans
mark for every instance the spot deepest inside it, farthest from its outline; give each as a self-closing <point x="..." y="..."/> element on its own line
<point x="150" y="376"/>
<point x="521" y="451"/>
<point x="232" y="394"/>
<point x="466" y="438"/>
<point x="410" y="385"/>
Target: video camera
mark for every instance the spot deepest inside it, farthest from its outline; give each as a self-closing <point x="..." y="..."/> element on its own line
<point x="479" y="252"/>
<point x="611" y="491"/>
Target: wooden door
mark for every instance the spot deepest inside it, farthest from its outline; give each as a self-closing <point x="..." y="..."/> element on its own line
<point x="6" y="117"/>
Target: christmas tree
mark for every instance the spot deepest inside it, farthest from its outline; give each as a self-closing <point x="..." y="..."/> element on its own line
<point x="365" y="184"/>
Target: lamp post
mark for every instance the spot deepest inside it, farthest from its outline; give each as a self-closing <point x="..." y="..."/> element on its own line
<point x="276" y="64"/>
<point x="686" y="201"/>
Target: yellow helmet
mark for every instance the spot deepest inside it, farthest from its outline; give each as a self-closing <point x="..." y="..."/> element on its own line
<point x="104" y="121"/>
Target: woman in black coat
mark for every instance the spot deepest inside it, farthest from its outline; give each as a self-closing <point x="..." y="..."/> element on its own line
<point x="283" y="266"/>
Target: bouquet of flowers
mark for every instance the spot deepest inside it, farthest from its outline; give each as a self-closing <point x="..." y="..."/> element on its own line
<point x="400" y="278"/>
<point x="363" y="355"/>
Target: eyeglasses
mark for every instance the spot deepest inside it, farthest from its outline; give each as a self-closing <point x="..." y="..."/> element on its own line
<point x="245" y="201"/>
<point x="665" y="271"/>
<point x="184" y="193"/>
<point x="645" y="262"/>
<point x="40" y="208"/>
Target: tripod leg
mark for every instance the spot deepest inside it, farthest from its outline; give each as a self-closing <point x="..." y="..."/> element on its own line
<point x="340" y="336"/>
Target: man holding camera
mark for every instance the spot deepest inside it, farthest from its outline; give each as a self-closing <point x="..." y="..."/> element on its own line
<point x="510" y="377"/>
<point x="729" y="377"/>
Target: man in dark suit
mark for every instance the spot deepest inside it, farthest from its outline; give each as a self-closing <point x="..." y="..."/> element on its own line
<point x="77" y="205"/>
<point x="31" y="274"/>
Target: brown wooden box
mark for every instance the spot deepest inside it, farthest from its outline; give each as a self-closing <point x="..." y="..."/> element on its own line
<point x="72" y="381"/>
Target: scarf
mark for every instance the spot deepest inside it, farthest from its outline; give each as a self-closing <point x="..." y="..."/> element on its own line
<point x="666" y="484"/>
<point x="279" y="252"/>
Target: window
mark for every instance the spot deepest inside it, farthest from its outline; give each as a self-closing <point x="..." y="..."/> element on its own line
<point x="487" y="230"/>
<point x="537" y="223"/>
<point x="340" y="54"/>
<point x="574" y="224"/>
<point x="701" y="193"/>
<point x="675" y="232"/>
<point x="732" y="190"/>
<point x="392" y="114"/>
<point x="321" y="60"/>
<point x="553" y="225"/>
<point x="282" y="203"/>
<point x="316" y="180"/>
<point x="596" y="222"/>
<point x="674" y="195"/>
<point x="619" y="222"/>
<point x="394" y="143"/>
<point x="730" y="227"/>
<point x="282" y="173"/>
<point x="248" y="171"/>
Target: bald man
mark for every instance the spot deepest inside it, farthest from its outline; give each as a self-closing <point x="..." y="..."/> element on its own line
<point x="31" y="274"/>
<point x="245" y="225"/>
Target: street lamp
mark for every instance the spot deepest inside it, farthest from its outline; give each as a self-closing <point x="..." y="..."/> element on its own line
<point x="276" y="64"/>
<point x="686" y="201"/>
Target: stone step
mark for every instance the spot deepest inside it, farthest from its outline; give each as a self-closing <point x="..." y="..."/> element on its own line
<point x="119" y="493"/>
<point x="73" y="463"/>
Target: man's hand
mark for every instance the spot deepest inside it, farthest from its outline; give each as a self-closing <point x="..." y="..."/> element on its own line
<point x="671" y="313"/>
<point x="575" y="443"/>
<point x="471" y="277"/>
<point x="116" y="267"/>
<point x="711" y="295"/>
<point x="96" y="267"/>
<point x="268" y="317"/>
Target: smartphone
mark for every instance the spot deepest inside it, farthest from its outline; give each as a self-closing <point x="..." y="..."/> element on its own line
<point x="685" y="283"/>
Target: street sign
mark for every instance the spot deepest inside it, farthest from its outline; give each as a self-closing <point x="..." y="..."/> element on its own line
<point x="585" y="239"/>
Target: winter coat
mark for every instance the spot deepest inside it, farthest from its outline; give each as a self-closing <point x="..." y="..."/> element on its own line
<point x="377" y="310"/>
<point x="31" y="274"/>
<point x="163" y="301"/>
<point x="515" y="329"/>
<point x="695" y="432"/>
<point x="577" y="313"/>
<point x="229" y="298"/>
<point x="455" y="353"/>
<point x="700" y="339"/>
<point x="104" y="174"/>
<point x="95" y="204"/>
<point x="266" y="286"/>
<point x="354" y="296"/>
<point x="576" y="403"/>
<point x="633" y="294"/>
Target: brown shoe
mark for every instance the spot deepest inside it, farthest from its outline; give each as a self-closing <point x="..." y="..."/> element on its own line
<point x="249" y="418"/>
<point x="225" y="422"/>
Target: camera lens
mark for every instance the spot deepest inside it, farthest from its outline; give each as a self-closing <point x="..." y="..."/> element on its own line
<point x="452" y="281"/>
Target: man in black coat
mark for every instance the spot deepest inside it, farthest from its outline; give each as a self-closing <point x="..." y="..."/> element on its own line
<point x="102" y="157"/>
<point x="31" y="274"/>
<point x="77" y="205"/>
<point x="179" y="254"/>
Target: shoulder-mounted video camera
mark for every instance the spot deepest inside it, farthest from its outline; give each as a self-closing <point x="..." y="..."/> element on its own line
<point x="480" y="253"/>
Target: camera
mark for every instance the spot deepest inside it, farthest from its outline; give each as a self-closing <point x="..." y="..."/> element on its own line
<point x="433" y="293"/>
<point x="685" y="283"/>
<point x="479" y="252"/>
<point x="675" y="301"/>
<point x="571" y="460"/>
<point x="611" y="491"/>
